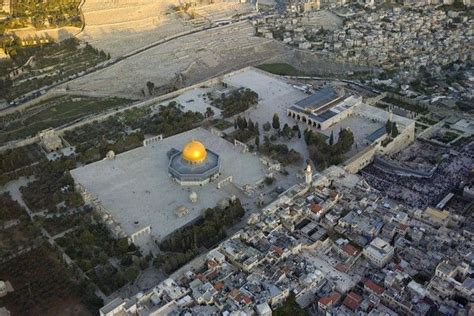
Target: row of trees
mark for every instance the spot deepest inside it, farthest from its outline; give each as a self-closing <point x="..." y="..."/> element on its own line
<point x="245" y="129"/>
<point x="13" y="159"/>
<point x="326" y="154"/>
<point x="206" y="232"/>
<point x="391" y="128"/>
<point x="279" y="152"/>
<point x="171" y="262"/>
<point x="182" y="245"/>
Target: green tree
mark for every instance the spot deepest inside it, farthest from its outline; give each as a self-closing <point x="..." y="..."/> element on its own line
<point x="151" y="86"/>
<point x="345" y="141"/>
<point x="394" y="130"/>
<point x="287" y="131"/>
<point x="388" y="127"/>
<point x="267" y="126"/>
<point x="209" y="112"/>
<point x="276" y="121"/>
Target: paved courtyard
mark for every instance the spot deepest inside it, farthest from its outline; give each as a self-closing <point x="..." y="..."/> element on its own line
<point x="137" y="191"/>
<point x="361" y="127"/>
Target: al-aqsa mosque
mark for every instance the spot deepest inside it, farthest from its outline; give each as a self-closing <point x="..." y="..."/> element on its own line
<point x="194" y="165"/>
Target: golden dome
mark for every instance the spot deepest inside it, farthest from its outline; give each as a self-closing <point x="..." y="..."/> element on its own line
<point x="194" y="152"/>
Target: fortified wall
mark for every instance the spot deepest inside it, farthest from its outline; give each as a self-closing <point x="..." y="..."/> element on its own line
<point x="366" y="156"/>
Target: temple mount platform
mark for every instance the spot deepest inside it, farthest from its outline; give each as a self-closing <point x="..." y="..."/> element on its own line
<point x="138" y="197"/>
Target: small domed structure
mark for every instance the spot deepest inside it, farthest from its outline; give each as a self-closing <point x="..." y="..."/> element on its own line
<point x="3" y="289"/>
<point x="110" y="155"/>
<point x="181" y="211"/>
<point x="193" y="197"/>
<point x="194" y="152"/>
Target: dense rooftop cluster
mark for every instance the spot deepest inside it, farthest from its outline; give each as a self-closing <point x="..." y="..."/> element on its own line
<point x="336" y="246"/>
<point x="413" y="46"/>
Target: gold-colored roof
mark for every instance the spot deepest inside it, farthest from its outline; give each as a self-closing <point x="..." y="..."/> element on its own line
<point x="194" y="152"/>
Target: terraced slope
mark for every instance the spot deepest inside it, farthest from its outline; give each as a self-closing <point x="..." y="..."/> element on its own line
<point x="122" y="26"/>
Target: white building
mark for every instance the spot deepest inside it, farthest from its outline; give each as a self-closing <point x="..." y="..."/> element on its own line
<point x="379" y="252"/>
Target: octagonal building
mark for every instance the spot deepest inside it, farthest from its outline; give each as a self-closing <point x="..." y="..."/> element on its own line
<point x="194" y="165"/>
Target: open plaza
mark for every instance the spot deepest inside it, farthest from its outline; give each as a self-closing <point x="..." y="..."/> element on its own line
<point x="137" y="192"/>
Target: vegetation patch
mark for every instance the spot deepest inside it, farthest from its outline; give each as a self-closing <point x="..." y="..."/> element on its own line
<point x="44" y="286"/>
<point x="44" y="14"/>
<point x="183" y="244"/>
<point x="20" y="157"/>
<point x="282" y="69"/>
<point x="290" y="307"/>
<point x="10" y="209"/>
<point x="52" y="187"/>
<point x="327" y="154"/>
<point x="244" y="130"/>
<point x="236" y="102"/>
<point x="54" y="113"/>
<point x="32" y="68"/>
<point x="61" y="223"/>
<point x="221" y="124"/>
<point x="427" y="120"/>
<point x="279" y="152"/>
<point x="92" y="247"/>
<point x="446" y="137"/>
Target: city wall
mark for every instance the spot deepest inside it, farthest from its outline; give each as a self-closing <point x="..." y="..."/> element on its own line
<point x="313" y="62"/>
<point x="366" y="156"/>
<point x="102" y="117"/>
<point x="56" y="34"/>
<point x="361" y="160"/>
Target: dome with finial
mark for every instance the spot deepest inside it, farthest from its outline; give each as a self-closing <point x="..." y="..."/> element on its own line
<point x="194" y="152"/>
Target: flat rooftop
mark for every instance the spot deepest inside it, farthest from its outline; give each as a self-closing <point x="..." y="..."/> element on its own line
<point x="318" y="99"/>
<point x="137" y="191"/>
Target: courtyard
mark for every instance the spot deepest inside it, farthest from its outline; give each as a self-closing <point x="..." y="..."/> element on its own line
<point x="137" y="191"/>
